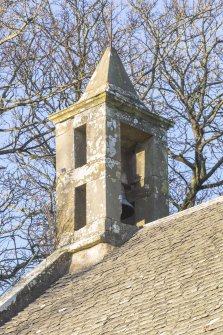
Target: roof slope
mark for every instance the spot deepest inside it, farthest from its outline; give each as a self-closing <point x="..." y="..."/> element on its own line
<point x="167" y="280"/>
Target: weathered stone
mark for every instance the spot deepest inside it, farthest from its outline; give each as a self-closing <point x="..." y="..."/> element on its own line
<point x="96" y="200"/>
<point x="113" y="139"/>
<point x="64" y="146"/>
<point x="88" y="257"/>
<point x="96" y="137"/>
<point x="109" y="73"/>
<point x="117" y="151"/>
<point x="65" y="208"/>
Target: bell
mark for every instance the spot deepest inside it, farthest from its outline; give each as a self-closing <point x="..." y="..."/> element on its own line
<point x="127" y="208"/>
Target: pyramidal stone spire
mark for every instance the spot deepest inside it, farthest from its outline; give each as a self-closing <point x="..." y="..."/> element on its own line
<point x="110" y="76"/>
<point x="111" y="161"/>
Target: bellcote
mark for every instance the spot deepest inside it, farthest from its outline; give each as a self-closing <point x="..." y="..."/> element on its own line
<point x="111" y="161"/>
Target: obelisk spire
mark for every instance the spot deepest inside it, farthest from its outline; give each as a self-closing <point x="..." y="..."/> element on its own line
<point x="111" y="23"/>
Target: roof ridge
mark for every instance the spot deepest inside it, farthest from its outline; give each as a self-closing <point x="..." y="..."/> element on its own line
<point x="183" y="213"/>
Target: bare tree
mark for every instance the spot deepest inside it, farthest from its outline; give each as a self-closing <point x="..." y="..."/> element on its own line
<point x="48" y="51"/>
<point x="182" y="80"/>
<point x="47" y="58"/>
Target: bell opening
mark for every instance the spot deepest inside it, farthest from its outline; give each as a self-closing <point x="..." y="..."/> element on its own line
<point x="133" y="143"/>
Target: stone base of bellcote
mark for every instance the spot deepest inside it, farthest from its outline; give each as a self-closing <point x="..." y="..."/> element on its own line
<point x="103" y="230"/>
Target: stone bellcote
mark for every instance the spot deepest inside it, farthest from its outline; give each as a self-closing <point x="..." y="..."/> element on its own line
<point x="111" y="155"/>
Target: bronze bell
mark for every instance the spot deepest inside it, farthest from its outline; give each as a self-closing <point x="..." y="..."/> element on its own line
<point x="127" y="208"/>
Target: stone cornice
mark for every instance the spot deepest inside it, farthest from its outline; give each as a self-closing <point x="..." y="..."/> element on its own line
<point x="113" y="99"/>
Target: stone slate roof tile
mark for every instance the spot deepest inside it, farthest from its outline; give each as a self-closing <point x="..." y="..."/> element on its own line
<point x="167" y="280"/>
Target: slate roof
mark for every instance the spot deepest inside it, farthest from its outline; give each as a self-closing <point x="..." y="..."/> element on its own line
<point x="167" y="280"/>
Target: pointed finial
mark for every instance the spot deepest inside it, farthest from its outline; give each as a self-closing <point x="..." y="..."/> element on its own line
<point x="111" y="23"/>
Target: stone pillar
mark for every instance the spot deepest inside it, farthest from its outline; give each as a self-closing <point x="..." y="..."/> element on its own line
<point x="64" y="188"/>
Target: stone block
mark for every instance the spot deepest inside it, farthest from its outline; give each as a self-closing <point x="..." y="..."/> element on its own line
<point x="105" y="230"/>
<point x="65" y="209"/>
<point x="96" y="200"/>
<point x="113" y="145"/>
<point x="96" y="138"/>
<point x="113" y="169"/>
<point x="157" y="202"/>
<point x="93" y="112"/>
<point x="88" y="172"/>
<point x="117" y="233"/>
<point x="113" y="193"/>
<point x="156" y="159"/>
<point x="89" y="257"/>
<point x="64" y="146"/>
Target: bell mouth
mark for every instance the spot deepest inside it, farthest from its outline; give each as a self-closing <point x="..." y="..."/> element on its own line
<point x="127" y="211"/>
